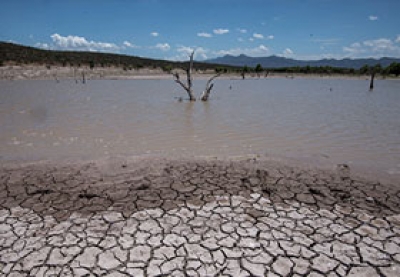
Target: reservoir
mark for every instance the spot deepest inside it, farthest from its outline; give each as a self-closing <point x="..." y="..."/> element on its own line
<point x="322" y="120"/>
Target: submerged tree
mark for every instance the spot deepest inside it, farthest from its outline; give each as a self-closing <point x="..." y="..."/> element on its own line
<point x="371" y="82"/>
<point x="209" y="86"/>
<point x="189" y="83"/>
<point x="244" y="71"/>
<point x="377" y="69"/>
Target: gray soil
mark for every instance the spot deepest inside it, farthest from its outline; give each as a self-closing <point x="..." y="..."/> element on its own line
<point x="195" y="217"/>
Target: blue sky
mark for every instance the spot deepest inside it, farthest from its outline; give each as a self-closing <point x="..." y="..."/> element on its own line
<point x="169" y="29"/>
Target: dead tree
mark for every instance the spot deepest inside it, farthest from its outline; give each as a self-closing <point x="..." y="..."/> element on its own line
<point x="188" y="86"/>
<point x="209" y="86"/>
<point x="371" y="82"/>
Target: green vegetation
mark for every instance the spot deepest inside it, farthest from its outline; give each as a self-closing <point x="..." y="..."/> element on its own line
<point x="167" y="68"/>
<point x="391" y="70"/>
<point x="258" y="69"/>
<point x="221" y="69"/>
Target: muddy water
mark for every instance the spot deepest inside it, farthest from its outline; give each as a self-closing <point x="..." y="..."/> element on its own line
<point x="332" y="120"/>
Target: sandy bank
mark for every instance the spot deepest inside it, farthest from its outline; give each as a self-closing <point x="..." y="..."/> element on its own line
<point x="37" y="72"/>
<point x="41" y="72"/>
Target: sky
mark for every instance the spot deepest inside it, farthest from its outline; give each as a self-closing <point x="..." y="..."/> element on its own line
<point x="171" y="29"/>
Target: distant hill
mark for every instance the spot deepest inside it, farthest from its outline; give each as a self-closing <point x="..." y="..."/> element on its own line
<point x="281" y="62"/>
<point x="19" y="54"/>
<point x="11" y="53"/>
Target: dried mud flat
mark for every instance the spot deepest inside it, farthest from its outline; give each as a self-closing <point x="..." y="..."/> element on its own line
<point x="159" y="217"/>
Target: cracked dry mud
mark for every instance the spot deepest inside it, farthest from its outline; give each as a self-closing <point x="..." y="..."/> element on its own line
<point x="195" y="218"/>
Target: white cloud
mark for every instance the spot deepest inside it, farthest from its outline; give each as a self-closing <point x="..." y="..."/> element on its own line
<point x="201" y="53"/>
<point x="243" y="31"/>
<point x="154" y="34"/>
<point x="261" y="36"/>
<point x="163" y="46"/>
<point x="373" y="48"/>
<point x="379" y="44"/>
<point x="81" y="43"/>
<point x="355" y="45"/>
<point x="319" y="56"/>
<point x="326" y="41"/>
<point x="221" y="31"/>
<point x="185" y="51"/>
<point x="287" y="52"/>
<point x="354" y="49"/>
<point x="398" y="38"/>
<point x="129" y="45"/>
<point x="373" y="17"/>
<point x="204" y="35"/>
<point x="42" y="45"/>
<point x="258" y="51"/>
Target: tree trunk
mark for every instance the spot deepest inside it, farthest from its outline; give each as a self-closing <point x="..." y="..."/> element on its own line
<point x="189" y="84"/>
<point x="371" y="83"/>
<point x="185" y="86"/>
<point x="209" y="86"/>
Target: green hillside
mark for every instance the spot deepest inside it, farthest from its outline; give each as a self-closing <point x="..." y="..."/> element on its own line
<point x="11" y="53"/>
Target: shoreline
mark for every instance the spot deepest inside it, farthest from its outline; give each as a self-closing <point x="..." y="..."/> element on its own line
<point x="144" y="216"/>
<point x="307" y="163"/>
<point x="57" y="73"/>
<point x="250" y="161"/>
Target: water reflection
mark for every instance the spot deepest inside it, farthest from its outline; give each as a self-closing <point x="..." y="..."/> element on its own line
<point x="189" y="116"/>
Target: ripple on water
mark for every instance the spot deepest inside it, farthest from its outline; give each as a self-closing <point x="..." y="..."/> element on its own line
<point x="347" y="123"/>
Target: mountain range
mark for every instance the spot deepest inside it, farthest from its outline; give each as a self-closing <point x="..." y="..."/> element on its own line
<point x="281" y="62"/>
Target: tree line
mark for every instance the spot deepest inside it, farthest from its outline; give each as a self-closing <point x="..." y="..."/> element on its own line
<point x="392" y="70"/>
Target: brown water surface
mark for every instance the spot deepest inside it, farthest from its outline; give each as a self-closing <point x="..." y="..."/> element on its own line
<point x="327" y="120"/>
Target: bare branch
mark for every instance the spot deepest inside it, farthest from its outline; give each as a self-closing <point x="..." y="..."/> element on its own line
<point x="212" y="78"/>
<point x="176" y="75"/>
<point x="189" y="71"/>
<point x="177" y="80"/>
<point x="209" y="86"/>
<point x="191" y="59"/>
<point x="188" y="86"/>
